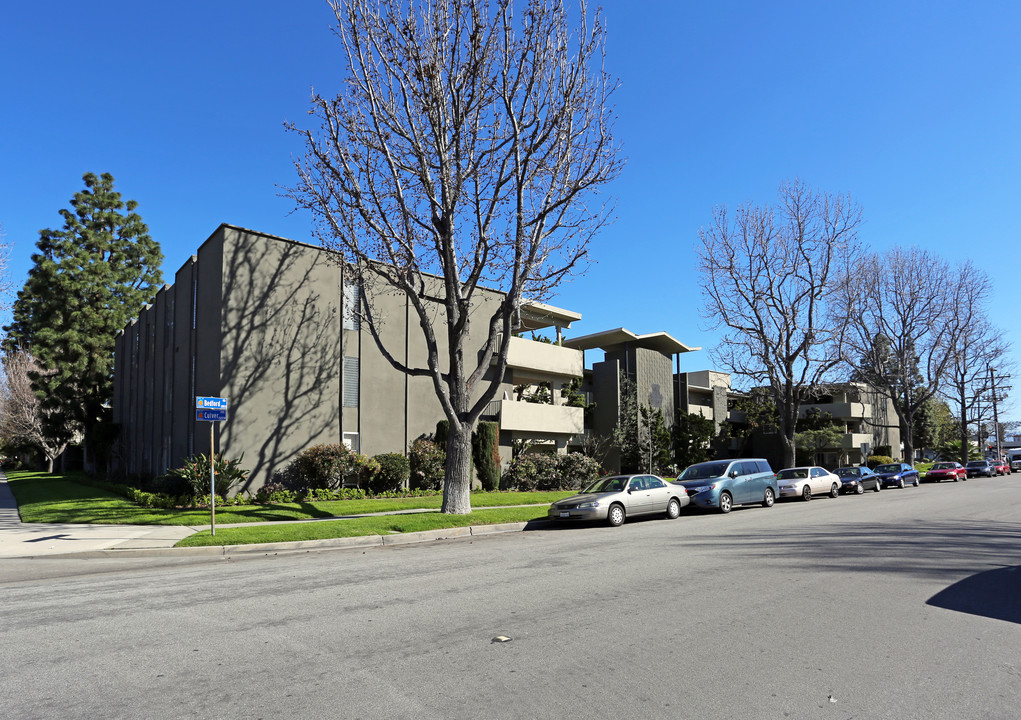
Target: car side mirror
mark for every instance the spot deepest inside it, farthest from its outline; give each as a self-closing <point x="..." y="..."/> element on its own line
<point x="733" y="473"/>
<point x="629" y="490"/>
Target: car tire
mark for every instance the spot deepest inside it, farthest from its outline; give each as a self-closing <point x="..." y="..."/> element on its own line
<point x="726" y="502"/>
<point x="900" y="483"/>
<point x="769" y="498"/>
<point x="616" y="515"/>
<point x="834" y="490"/>
<point x="918" y="482"/>
<point x="673" y="509"/>
<point x="956" y="478"/>
<point x="859" y="488"/>
<point x="806" y="493"/>
<point x="879" y="486"/>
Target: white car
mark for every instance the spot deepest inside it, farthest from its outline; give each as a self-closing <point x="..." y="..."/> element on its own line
<point x="804" y="482"/>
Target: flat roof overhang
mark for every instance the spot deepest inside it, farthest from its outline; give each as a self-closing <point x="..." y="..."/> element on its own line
<point x="607" y="339"/>
<point x="537" y="315"/>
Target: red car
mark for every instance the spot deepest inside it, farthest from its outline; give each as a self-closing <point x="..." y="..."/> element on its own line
<point x="1002" y="468"/>
<point x="946" y="471"/>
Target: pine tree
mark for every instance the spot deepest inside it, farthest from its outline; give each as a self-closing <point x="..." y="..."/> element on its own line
<point x="87" y="282"/>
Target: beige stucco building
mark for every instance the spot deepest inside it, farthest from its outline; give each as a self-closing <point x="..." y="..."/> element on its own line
<point x="270" y="325"/>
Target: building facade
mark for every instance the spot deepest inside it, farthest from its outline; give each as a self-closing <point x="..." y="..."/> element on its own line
<point x="272" y="325"/>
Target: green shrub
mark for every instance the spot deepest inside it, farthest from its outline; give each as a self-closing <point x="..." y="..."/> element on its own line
<point x="394" y="471"/>
<point x="428" y="460"/>
<point x="877" y="460"/>
<point x="541" y="471"/>
<point x="486" y="453"/>
<point x="331" y="466"/>
<point x="882" y="450"/>
<point x="195" y="471"/>
<point x="577" y="470"/>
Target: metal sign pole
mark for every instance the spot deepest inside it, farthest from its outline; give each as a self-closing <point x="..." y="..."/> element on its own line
<point x="212" y="482"/>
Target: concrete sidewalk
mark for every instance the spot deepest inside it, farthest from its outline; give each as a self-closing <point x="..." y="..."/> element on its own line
<point x="18" y="539"/>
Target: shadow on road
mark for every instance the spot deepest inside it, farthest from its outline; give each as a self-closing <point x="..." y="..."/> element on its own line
<point x="993" y="594"/>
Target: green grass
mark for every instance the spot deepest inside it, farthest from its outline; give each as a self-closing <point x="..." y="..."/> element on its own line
<point x="44" y="498"/>
<point x="355" y="527"/>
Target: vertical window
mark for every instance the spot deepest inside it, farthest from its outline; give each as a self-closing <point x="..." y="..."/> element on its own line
<point x="350" y="382"/>
<point x="351" y="299"/>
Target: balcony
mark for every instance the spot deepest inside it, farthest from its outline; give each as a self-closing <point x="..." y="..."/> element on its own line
<point x="530" y="361"/>
<point x="536" y="418"/>
<point x="841" y="410"/>
<point x="853" y="441"/>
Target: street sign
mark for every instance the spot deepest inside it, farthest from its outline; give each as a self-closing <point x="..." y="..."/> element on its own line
<point x="865" y="449"/>
<point x="213" y="415"/>
<point x="210" y="402"/>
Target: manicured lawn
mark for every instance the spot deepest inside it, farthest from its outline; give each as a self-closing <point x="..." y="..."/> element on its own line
<point x="355" y="527"/>
<point x="45" y="498"/>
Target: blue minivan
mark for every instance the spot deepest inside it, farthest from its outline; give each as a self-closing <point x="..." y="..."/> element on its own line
<point x="722" y="484"/>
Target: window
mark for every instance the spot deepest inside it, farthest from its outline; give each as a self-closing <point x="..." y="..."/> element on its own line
<point x="351" y="298"/>
<point x="350" y="382"/>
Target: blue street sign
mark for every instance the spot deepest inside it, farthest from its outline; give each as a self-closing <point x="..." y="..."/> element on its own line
<point x="213" y="415"/>
<point x="210" y="402"/>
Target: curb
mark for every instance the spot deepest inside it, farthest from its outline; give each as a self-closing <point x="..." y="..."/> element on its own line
<point x="362" y="541"/>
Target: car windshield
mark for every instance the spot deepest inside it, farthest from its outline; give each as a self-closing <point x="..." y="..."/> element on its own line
<point x="943" y="466"/>
<point x="847" y="472"/>
<point x="977" y="463"/>
<point x="888" y="468"/>
<point x="703" y="471"/>
<point x="613" y="483"/>
<point x="792" y="474"/>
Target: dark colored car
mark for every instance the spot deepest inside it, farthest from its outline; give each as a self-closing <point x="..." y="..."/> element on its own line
<point x="946" y="471"/>
<point x="898" y="475"/>
<point x="975" y="468"/>
<point x="857" y="480"/>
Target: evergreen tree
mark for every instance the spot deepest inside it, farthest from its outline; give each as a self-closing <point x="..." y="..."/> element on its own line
<point x="692" y="436"/>
<point x="87" y="282"/>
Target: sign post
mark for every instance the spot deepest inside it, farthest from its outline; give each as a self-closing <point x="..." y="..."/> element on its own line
<point x="865" y="450"/>
<point x="211" y="410"/>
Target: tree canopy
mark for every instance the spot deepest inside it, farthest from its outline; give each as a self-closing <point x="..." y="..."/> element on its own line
<point x="87" y="281"/>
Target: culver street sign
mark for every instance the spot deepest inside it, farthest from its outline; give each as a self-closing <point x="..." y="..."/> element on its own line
<point x="210" y="409"/>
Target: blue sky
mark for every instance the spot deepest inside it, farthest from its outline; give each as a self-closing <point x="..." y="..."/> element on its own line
<point x="914" y="108"/>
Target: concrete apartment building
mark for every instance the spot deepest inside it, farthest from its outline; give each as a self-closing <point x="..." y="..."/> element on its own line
<point x="865" y="415"/>
<point x="270" y="325"/>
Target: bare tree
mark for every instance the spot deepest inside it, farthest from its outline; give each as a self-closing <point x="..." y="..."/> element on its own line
<point x="769" y="278"/>
<point x="967" y="386"/>
<point x="908" y="312"/>
<point x="463" y="152"/>
<point x="21" y="414"/>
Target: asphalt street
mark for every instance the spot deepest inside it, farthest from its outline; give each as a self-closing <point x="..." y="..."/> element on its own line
<point x="902" y="604"/>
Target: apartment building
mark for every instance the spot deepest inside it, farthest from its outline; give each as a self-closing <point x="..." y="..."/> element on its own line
<point x="271" y="325"/>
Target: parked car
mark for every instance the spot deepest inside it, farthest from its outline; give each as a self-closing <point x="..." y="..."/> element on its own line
<point x="898" y="474"/>
<point x="804" y="482"/>
<point x="975" y="468"/>
<point x="617" y="497"/>
<point x="722" y="484"/>
<point x="946" y="471"/>
<point x="857" y="480"/>
<point x="1002" y="467"/>
<point x="1015" y="463"/>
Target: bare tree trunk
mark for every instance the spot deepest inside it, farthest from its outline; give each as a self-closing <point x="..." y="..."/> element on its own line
<point x="457" y="483"/>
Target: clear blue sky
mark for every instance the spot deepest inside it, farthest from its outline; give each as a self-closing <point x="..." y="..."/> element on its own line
<point x="913" y="107"/>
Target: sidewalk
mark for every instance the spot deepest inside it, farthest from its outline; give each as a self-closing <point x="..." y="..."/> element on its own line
<point x="18" y="539"/>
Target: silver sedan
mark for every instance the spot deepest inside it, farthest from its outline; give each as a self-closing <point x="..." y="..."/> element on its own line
<point x="805" y="481"/>
<point x="618" y="497"/>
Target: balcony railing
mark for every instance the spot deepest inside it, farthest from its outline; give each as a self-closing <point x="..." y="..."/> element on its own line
<point x="538" y="418"/>
<point x="529" y="359"/>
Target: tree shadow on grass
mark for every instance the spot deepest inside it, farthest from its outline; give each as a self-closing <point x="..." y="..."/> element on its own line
<point x="993" y="594"/>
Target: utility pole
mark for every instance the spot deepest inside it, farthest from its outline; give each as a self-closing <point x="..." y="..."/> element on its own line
<point x="996" y="419"/>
